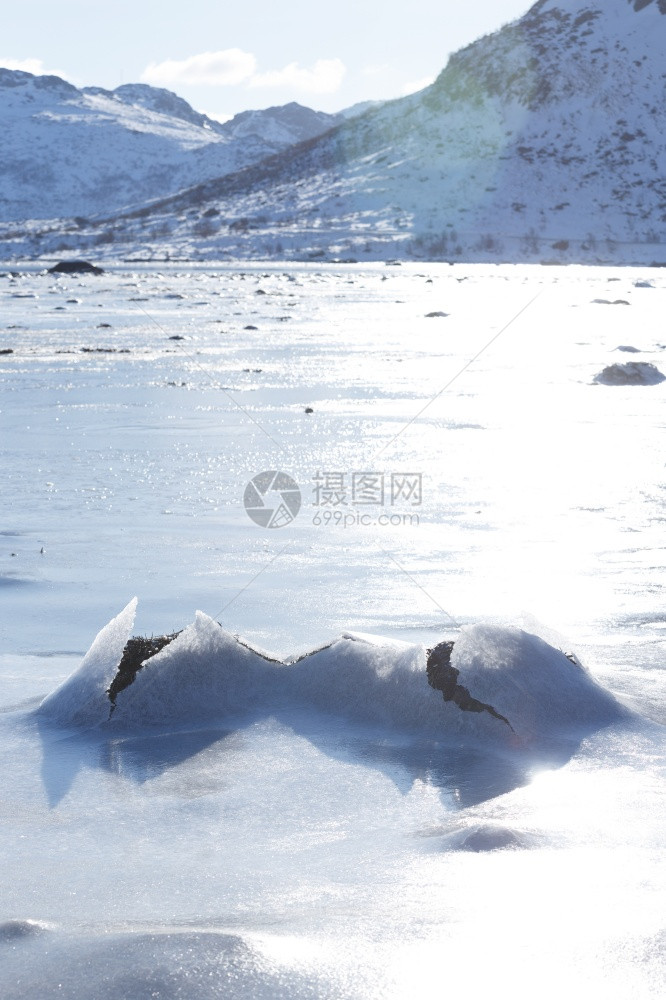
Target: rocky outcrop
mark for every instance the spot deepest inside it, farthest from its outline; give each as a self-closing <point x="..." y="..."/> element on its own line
<point x="631" y="373"/>
<point x="75" y="267"/>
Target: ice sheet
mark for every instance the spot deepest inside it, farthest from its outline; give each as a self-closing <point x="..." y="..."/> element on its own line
<point x="362" y="838"/>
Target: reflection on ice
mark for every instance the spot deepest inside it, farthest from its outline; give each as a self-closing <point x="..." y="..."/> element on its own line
<point x="143" y="758"/>
<point x="465" y="771"/>
<point x="137" y="758"/>
<point x="468" y="774"/>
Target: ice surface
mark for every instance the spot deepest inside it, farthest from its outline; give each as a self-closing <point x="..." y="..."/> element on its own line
<point x="196" y="965"/>
<point x="281" y="825"/>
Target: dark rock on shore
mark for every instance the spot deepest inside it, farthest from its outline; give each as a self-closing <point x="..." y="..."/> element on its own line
<point x="13" y="930"/>
<point x="75" y="267"/>
<point x="103" y="350"/>
<point x="631" y="373"/>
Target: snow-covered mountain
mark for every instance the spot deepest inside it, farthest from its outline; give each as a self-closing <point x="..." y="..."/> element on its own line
<point x="70" y="152"/>
<point x="544" y="140"/>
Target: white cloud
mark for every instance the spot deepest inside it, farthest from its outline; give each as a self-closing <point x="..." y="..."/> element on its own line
<point x="231" y="67"/>
<point x="224" y="68"/>
<point x="325" y="77"/>
<point x="35" y="66"/>
<point x="416" y="85"/>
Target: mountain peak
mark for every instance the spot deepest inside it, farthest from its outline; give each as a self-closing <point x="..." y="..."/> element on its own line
<point x="284" y="124"/>
<point x="14" y="78"/>
<point x="162" y="101"/>
<point x="608" y="7"/>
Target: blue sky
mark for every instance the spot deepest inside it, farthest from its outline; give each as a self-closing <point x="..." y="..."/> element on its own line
<point x="226" y="57"/>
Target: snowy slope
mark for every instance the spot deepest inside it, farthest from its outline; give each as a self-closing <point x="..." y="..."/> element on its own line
<point x="281" y="126"/>
<point x="544" y="140"/>
<point x="69" y="152"/>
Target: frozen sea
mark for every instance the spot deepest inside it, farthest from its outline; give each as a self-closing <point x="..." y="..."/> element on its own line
<point x="329" y="826"/>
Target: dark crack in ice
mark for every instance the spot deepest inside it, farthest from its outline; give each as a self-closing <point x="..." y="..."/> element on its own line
<point x="443" y="677"/>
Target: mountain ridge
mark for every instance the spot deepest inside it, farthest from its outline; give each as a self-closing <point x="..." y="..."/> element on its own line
<point x="544" y="139"/>
<point x="70" y="152"/>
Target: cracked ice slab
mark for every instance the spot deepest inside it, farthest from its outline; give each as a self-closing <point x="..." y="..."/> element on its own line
<point x="501" y="681"/>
